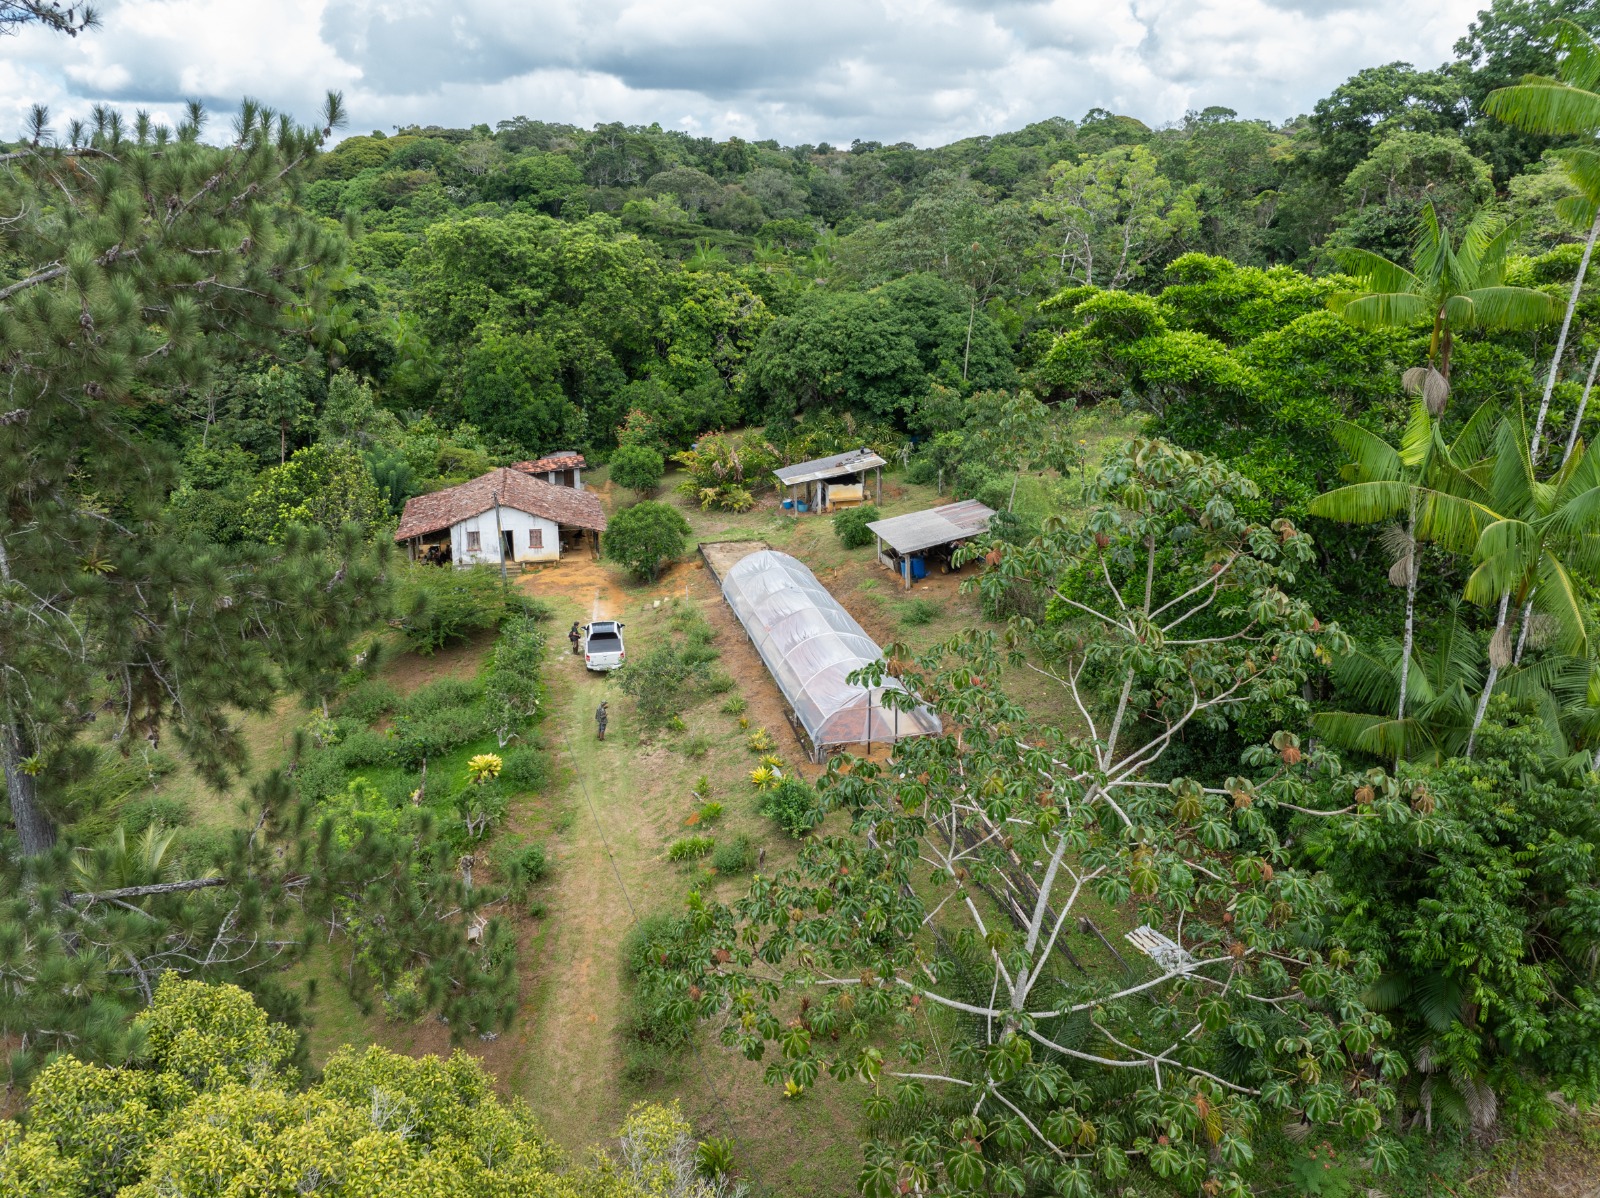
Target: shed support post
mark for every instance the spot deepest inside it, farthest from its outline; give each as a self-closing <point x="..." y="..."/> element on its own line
<point x="878" y="497"/>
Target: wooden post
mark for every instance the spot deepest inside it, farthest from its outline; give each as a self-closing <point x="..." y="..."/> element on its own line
<point x="878" y="495"/>
<point x="499" y="537"/>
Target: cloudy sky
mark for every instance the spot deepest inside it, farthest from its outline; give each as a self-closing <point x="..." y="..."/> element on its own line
<point x="927" y="71"/>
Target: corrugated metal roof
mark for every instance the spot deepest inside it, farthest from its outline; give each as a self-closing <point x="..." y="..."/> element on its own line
<point x="917" y="531"/>
<point x="839" y="463"/>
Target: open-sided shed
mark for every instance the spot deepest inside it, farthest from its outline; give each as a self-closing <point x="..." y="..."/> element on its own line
<point x="826" y="482"/>
<point x="911" y="537"/>
<point x="811" y="646"/>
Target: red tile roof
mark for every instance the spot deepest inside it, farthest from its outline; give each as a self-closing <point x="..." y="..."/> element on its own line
<point x="520" y="492"/>
<point x="556" y="461"/>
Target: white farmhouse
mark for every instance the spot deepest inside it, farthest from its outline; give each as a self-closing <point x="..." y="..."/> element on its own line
<point x="504" y="515"/>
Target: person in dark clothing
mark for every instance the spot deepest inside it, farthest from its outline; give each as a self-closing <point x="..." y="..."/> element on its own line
<point x="600" y="718"/>
<point x="574" y="636"/>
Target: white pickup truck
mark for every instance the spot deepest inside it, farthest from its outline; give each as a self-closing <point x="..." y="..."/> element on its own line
<point x="602" y="645"/>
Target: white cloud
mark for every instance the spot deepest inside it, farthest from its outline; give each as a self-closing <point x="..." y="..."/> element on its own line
<point x="928" y="71"/>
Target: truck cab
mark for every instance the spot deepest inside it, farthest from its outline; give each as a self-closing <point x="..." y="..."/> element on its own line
<point x="602" y="645"/>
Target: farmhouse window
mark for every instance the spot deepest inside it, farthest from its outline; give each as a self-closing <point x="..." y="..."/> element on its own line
<point x="472" y="542"/>
<point x="536" y="538"/>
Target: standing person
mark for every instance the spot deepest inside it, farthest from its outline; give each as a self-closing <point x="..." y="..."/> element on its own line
<point x="574" y="636"/>
<point x="600" y="718"/>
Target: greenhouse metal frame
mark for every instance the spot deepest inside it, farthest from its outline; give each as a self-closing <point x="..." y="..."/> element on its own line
<point x="811" y="646"/>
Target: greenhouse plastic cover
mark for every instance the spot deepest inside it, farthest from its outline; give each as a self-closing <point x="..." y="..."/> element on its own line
<point x="811" y="645"/>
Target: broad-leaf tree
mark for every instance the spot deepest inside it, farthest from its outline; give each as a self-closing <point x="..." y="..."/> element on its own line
<point x="925" y="951"/>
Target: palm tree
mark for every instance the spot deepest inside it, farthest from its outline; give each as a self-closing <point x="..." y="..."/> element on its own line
<point x="1457" y="287"/>
<point x="1545" y="530"/>
<point x="1567" y="105"/>
<point x="1440" y="691"/>
<point x="1425" y="479"/>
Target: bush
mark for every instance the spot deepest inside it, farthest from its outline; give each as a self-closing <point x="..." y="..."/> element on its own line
<point x="710" y="813"/>
<point x="734" y="856"/>
<point x="918" y="612"/>
<point x="850" y="525"/>
<point x="519" y="606"/>
<point x="442" y="605"/>
<point x="364" y="748"/>
<point x="794" y="805"/>
<point x="720" y="682"/>
<point x="437" y="732"/>
<point x="367" y="701"/>
<point x="644" y="536"/>
<point x="696" y="747"/>
<point x="735" y="706"/>
<point x="526" y="769"/>
<point x="639" y="468"/>
<point x="662" y="682"/>
<point x="527" y="866"/>
<point x="654" y="1036"/>
<point x="139" y="814"/>
<point x="688" y="848"/>
<point x="760" y="741"/>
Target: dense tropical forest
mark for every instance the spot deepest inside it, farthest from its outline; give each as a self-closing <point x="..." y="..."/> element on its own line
<point x="1282" y="648"/>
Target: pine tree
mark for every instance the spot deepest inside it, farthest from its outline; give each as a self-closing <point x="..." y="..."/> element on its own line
<point x="132" y="262"/>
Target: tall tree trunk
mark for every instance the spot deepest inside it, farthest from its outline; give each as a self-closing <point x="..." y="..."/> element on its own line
<point x="1577" y="421"/>
<point x="1561" y="338"/>
<point x="1488" y="683"/>
<point x="35" y="829"/>
<point x="1411" y="625"/>
<point x="966" y="355"/>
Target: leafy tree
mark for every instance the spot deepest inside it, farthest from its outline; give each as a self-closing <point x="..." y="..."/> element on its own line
<point x="639" y="468"/>
<point x="1384" y="193"/>
<point x="217" y="1101"/>
<point x="1454" y="286"/>
<point x="662" y="681"/>
<point x="644" y="536"/>
<point x="440" y="606"/>
<point x="324" y="486"/>
<point x="100" y="605"/>
<point x="281" y="397"/>
<point x="1481" y="908"/>
<point x="511" y="389"/>
<point x="511" y="686"/>
<point x="1113" y="214"/>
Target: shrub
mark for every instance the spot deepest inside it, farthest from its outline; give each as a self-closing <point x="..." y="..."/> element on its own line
<point x="761" y="741"/>
<point x="368" y="700"/>
<point x="437" y="732"/>
<point x="519" y="606"/>
<point x="447" y="692"/>
<point x="537" y="909"/>
<point x="794" y="805"/>
<point x="139" y="814"/>
<point x="734" y="856"/>
<point x="527" y="865"/>
<point x="850" y="525"/>
<point x="363" y="750"/>
<point x="688" y="848"/>
<point x="653" y="1034"/>
<point x="734" y="706"/>
<point x="720" y="682"/>
<point x="646" y="535"/>
<point x="696" y="747"/>
<point x="710" y="813"/>
<point x="445" y="605"/>
<point x="675" y="724"/>
<point x="662" y="682"/>
<point x="526" y="770"/>
<point x="639" y="468"/>
<point x="765" y="777"/>
<point x="918" y="612"/>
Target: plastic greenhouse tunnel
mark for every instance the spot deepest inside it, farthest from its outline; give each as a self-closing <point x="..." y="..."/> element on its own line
<point x="811" y="646"/>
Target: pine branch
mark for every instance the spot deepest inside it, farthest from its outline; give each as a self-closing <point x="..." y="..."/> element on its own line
<point x="127" y="892"/>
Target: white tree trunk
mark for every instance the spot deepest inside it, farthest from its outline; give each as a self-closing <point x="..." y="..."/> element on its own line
<point x="1577" y="421"/>
<point x="1561" y="340"/>
<point x="1488" y="684"/>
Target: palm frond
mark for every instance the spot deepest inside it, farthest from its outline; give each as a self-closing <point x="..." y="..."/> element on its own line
<point x="1580" y="62"/>
<point x="1558" y="598"/>
<point x="1582" y="166"/>
<point x="1362" y="503"/>
<point x="1384" y="310"/>
<point x="1475" y="434"/>
<point x="1375" y="271"/>
<point x="1453" y="521"/>
<point x="1374" y="459"/>
<point x="1546" y="106"/>
<point x="1502" y="308"/>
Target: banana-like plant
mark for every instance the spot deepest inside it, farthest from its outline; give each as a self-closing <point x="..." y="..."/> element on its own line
<point x="1456" y="286"/>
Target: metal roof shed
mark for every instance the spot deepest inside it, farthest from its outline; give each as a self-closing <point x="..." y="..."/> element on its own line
<point x="813" y="474"/>
<point x="916" y="532"/>
<point x="811" y="646"/>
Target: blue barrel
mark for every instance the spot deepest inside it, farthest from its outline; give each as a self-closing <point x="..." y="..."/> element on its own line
<point x="919" y="567"/>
